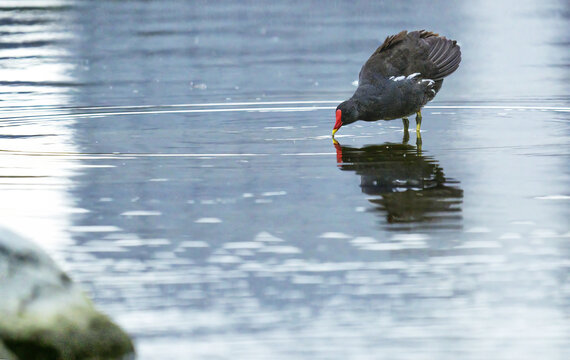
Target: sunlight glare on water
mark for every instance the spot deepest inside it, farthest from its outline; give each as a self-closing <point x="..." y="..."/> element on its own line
<point x="36" y="201"/>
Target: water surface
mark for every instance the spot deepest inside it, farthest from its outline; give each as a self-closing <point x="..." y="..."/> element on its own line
<point x="176" y="158"/>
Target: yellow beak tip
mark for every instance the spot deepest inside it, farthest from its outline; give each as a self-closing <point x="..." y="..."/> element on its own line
<point x="334" y="132"/>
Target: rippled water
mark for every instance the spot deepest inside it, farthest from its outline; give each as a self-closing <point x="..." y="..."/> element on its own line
<point x="176" y="158"/>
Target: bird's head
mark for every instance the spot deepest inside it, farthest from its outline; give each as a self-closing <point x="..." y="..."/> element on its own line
<point x="346" y="113"/>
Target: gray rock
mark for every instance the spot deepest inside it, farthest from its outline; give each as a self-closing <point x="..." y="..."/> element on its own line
<point x="6" y="354"/>
<point x="44" y="315"/>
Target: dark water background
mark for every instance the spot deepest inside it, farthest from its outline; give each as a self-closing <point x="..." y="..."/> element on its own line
<point x="175" y="157"/>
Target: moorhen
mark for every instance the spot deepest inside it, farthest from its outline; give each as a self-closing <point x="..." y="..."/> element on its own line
<point x="400" y="77"/>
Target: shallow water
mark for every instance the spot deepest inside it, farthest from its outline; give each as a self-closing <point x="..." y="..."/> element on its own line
<point x="176" y="159"/>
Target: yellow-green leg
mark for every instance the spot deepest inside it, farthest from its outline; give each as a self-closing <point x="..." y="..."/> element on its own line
<point x="406" y="123"/>
<point x="418" y="132"/>
<point x="418" y="121"/>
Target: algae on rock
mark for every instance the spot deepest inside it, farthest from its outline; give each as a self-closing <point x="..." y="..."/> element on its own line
<point x="44" y="315"/>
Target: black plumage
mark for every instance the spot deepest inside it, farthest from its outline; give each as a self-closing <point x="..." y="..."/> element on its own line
<point x="400" y="77"/>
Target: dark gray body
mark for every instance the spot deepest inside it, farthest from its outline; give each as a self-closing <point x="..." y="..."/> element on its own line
<point x="393" y="99"/>
<point x="401" y="76"/>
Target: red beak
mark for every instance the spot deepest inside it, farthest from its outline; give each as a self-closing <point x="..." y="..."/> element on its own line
<point x="338" y="122"/>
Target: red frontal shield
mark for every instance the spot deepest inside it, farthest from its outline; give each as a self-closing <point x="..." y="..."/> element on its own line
<point x="338" y="122"/>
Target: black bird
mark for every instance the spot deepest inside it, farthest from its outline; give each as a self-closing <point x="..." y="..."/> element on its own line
<point x="400" y="77"/>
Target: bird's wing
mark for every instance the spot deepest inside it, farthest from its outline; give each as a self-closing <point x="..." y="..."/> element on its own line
<point x="423" y="52"/>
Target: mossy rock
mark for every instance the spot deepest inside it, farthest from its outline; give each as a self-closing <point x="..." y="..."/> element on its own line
<point x="44" y="315"/>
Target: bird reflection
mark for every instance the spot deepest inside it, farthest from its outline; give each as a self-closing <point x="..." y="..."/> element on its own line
<point x="412" y="187"/>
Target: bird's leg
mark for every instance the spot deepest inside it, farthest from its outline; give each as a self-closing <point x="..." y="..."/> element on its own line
<point x="418" y="121"/>
<point x="419" y="143"/>
<point x="406" y="132"/>
<point x="418" y="132"/>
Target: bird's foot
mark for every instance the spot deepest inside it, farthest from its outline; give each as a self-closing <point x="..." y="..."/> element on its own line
<point x="419" y="142"/>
